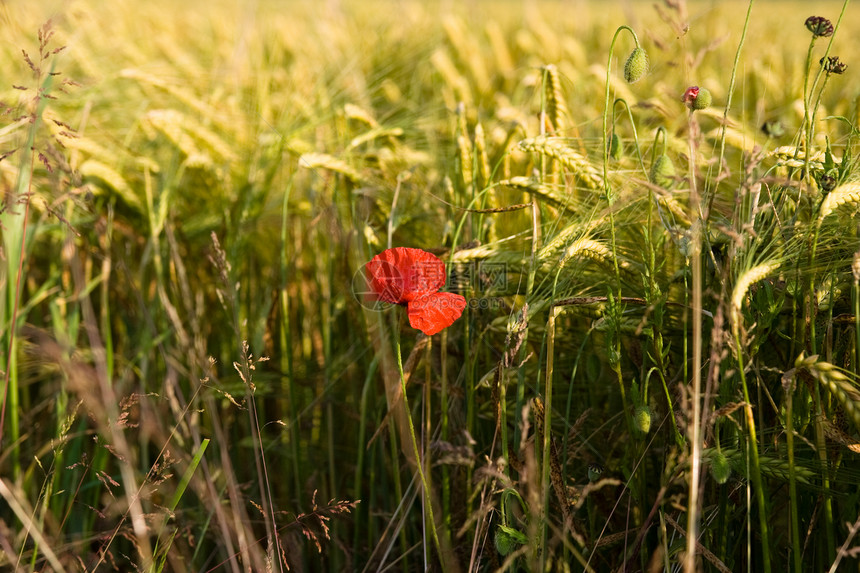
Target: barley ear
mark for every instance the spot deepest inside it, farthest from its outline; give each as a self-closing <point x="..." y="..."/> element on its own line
<point x="745" y="281"/>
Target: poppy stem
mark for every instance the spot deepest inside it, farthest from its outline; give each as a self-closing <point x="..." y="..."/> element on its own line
<point x="418" y="463"/>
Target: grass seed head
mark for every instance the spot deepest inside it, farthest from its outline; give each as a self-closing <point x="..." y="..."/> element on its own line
<point x="745" y="281"/>
<point x="848" y="194"/>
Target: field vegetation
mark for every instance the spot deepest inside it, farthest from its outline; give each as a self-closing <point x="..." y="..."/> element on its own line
<point x="649" y="208"/>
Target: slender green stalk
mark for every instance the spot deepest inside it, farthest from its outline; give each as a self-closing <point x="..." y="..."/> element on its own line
<point x="607" y="188"/>
<point x="443" y="404"/>
<point x="16" y="241"/>
<point x="286" y="353"/>
<point x="810" y="307"/>
<point x="797" y="556"/>
<point x="361" y="446"/>
<point x="635" y="136"/>
<point x="546" y="458"/>
<point x="856" y="293"/>
<point x="709" y="192"/>
<point x="613" y="245"/>
<point x="755" y="470"/>
<point x="398" y="491"/>
<point x="696" y="382"/>
<point x="418" y="462"/>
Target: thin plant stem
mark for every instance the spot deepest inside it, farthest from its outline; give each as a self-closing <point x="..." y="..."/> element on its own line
<point x="418" y="463"/>
<point x="710" y="192"/>
<point x="635" y="135"/>
<point x="797" y="556"/>
<point x="546" y="458"/>
<point x="696" y="382"/>
<point x="753" y="459"/>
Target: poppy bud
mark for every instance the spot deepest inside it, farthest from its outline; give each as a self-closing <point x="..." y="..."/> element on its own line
<point x="508" y="539"/>
<point x="663" y="172"/>
<point x="820" y="27"/>
<point x="697" y="98"/>
<point x="636" y="65"/>
<point x="504" y="542"/>
<point x="720" y="469"/>
<point x="642" y="419"/>
<point x="615" y="147"/>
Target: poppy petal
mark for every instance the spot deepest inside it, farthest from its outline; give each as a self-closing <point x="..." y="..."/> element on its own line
<point x="431" y="313"/>
<point x="401" y="274"/>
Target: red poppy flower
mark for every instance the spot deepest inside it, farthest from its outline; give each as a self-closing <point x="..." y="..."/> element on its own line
<point x="412" y="277"/>
<point x="690" y="95"/>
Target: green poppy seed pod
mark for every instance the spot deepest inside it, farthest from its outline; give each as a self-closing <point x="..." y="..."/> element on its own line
<point x="703" y="100"/>
<point x="594" y="471"/>
<point x="642" y="419"/>
<point x="615" y="147"/>
<point x="507" y="539"/>
<point x="720" y="469"/>
<point x="505" y="543"/>
<point x="636" y="65"/>
<point x="663" y="172"/>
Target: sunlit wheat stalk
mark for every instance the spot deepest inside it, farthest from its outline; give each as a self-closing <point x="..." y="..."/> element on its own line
<point x="743" y="284"/>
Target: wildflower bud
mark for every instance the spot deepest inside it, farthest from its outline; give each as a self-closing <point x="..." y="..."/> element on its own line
<point x="615" y="147"/>
<point x="508" y="539"/>
<point x="820" y="27"/>
<point x="720" y="469"/>
<point x="594" y="471"/>
<point x="663" y="172"/>
<point x="642" y="419"/>
<point x="697" y="98"/>
<point x="832" y="65"/>
<point x="636" y="65"/>
<point x="505" y="543"/>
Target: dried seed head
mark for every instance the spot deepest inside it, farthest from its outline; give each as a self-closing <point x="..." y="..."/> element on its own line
<point x="636" y="65"/>
<point x="832" y="65"/>
<point x="663" y="172"/>
<point x="819" y="26"/>
<point x="720" y="469"/>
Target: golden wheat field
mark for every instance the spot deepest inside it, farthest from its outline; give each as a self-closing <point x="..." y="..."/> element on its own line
<point x="378" y="285"/>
